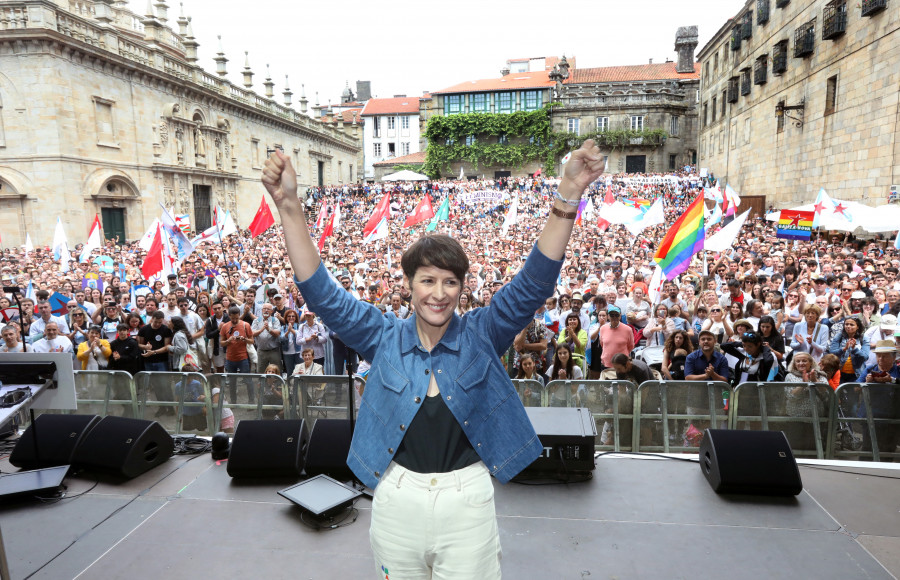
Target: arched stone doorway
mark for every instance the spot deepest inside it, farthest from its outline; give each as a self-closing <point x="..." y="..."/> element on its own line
<point x="115" y="198"/>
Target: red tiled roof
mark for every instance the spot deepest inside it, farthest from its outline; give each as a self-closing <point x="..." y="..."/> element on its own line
<point x="639" y="72"/>
<point x="350" y="104"/>
<point x="347" y="115"/>
<point x="511" y="82"/>
<point x="411" y="159"/>
<point x="397" y="105"/>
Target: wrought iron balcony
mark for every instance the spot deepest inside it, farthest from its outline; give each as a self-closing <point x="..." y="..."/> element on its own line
<point x="805" y="40"/>
<point x="760" y="71"/>
<point x="732" y="95"/>
<point x="762" y="11"/>
<point x="871" y="7"/>
<point x="736" y="38"/>
<point x="780" y="58"/>
<point x="747" y="26"/>
<point x="834" y="20"/>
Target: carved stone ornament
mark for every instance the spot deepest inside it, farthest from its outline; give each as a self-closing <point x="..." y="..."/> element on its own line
<point x="179" y="145"/>
<point x="164" y="134"/>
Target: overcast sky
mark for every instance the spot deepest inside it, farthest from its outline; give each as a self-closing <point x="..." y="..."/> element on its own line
<point x="408" y="47"/>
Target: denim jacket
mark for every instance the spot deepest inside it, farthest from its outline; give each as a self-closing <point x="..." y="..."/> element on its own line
<point x="465" y="363"/>
<point x="859" y="354"/>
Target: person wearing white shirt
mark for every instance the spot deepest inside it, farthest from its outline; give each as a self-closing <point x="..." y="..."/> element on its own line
<point x="52" y="341"/>
<point x="191" y="319"/>
<point x="10" y="335"/>
<point x="38" y="326"/>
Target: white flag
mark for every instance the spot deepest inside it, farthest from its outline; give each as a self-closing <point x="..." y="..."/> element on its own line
<point x="29" y="247"/>
<point x="724" y="238"/>
<point x="512" y="215"/>
<point x="337" y="217"/>
<point x="656" y="285"/>
<point x="60" y="245"/>
<point x="655" y="216"/>
<point x="94" y="241"/>
<point x="462" y="174"/>
<point x="147" y="239"/>
<point x="588" y="212"/>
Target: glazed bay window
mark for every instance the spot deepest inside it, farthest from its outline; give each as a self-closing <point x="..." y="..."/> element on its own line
<point x="762" y="11"/>
<point x="532" y="100"/>
<point x="760" y="70"/>
<point x="780" y="57"/>
<point x="805" y="39"/>
<point x="834" y="19"/>
<point x="505" y="102"/>
<point x="745" y="81"/>
<point x="453" y="104"/>
<point x="480" y="103"/>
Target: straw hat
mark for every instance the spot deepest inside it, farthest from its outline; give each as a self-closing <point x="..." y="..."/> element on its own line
<point x="885" y="346"/>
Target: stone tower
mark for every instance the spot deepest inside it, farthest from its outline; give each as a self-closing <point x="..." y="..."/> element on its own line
<point x="685" y="45"/>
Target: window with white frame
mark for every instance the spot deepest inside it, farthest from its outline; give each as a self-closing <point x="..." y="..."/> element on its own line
<point x="637" y="123"/>
<point x="404" y="122"/>
<point x="376" y="126"/>
<point x="376" y="149"/>
<point x="574" y="126"/>
<point x="673" y="123"/>
<point x="392" y="123"/>
<point x="470" y="140"/>
<point x="603" y="123"/>
<point x="404" y="149"/>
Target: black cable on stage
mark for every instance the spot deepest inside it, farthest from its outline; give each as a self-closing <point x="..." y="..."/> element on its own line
<point x="191" y="445"/>
<point x="331" y="523"/>
<point x="642" y="454"/>
<point x="829" y="468"/>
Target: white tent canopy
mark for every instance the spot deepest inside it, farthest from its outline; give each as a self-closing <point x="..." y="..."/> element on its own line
<point x="883" y="218"/>
<point x="405" y="175"/>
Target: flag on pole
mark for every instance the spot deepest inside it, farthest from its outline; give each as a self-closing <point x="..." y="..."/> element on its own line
<point x="153" y="262"/>
<point x="794" y="225"/>
<point x="329" y="231"/>
<point x="462" y="174"/>
<point x="212" y="233"/>
<point x="734" y="201"/>
<point x="147" y="239"/>
<point x="442" y="215"/>
<point x="581" y="206"/>
<point x="183" y="246"/>
<point x="588" y="212"/>
<point x="608" y="200"/>
<point x="29" y="247"/>
<point x="512" y="215"/>
<point x="654" y="289"/>
<point x="654" y="216"/>
<point x="725" y="237"/>
<point x="381" y="213"/>
<point x="337" y="217"/>
<point x="715" y="216"/>
<point x="822" y="208"/>
<point x="61" y="246"/>
<point x="897" y="241"/>
<point x="263" y="219"/>
<point x="224" y="221"/>
<point x="683" y="240"/>
<point x="424" y="211"/>
<point x="29" y="292"/>
<point x="94" y="240"/>
<point x="323" y="211"/>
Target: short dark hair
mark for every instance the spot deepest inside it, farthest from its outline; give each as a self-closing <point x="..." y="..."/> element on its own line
<point x="439" y="251"/>
<point x="158" y="314"/>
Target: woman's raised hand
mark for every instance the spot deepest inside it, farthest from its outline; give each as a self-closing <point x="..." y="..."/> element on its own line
<point x="280" y="178"/>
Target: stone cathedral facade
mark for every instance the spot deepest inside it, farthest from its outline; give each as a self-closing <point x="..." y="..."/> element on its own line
<point x="103" y="111"/>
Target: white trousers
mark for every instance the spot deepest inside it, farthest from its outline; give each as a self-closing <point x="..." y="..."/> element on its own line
<point x="439" y="526"/>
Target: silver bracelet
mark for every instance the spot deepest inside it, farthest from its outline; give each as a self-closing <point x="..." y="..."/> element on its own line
<point x="572" y="202"/>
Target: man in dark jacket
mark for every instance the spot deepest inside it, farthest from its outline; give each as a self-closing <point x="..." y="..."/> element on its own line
<point x="125" y="356"/>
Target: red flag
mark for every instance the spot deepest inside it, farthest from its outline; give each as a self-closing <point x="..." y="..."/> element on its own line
<point x="153" y="263"/>
<point x="725" y="208"/>
<point x="424" y="211"/>
<point x="329" y="230"/>
<point x="538" y="172"/>
<point x="382" y="211"/>
<point x="263" y="219"/>
<point x="608" y="199"/>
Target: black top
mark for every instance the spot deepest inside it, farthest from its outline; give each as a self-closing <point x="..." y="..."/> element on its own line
<point x="434" y="441"/>
<point x="129" y="356"/>
<point x="156" y="337"/>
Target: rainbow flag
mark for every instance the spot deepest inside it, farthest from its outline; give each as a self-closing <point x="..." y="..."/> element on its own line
<point x="795" y="225"/>
<point x="683" y="240"/>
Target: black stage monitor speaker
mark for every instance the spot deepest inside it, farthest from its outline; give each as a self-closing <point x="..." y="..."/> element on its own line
<point x="51" y="440"/>
<point x="268" y="448"/>
<point x="568" y="435"/>
<point x="749" y="462"/>
<point x="329" y="445"/>
<point x="123" y="446"/>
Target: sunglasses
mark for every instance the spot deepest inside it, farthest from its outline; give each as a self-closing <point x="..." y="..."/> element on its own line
<point x="715" y="310"/>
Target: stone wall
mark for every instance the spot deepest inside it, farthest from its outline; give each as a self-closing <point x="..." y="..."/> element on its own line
<point x="86" y="128"/>
<point x="853" y="152"/>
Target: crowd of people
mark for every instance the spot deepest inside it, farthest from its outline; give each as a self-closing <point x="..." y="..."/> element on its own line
<point x="766" y="309"/>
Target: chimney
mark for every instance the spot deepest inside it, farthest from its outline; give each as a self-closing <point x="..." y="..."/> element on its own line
<point x="504" y="71"/>
<point x="685" y="45"/>
<point x="363" y="91"/>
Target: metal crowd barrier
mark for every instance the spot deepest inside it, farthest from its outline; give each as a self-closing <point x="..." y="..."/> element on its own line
<point x="321" y="397"/>
<point x="803" y="411"/>
<point x="670" y="416"/>
<point x="661" y="416"/>
<point x="878" y="429"/>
